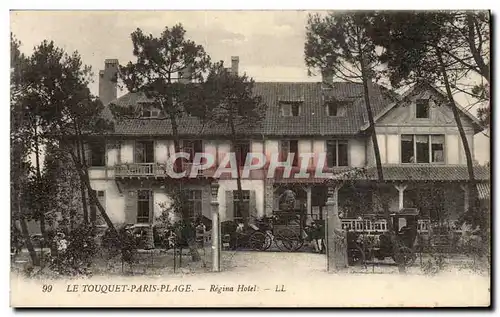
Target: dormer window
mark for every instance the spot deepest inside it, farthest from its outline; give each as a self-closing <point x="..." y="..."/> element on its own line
<point x="149" y="111"/>
<point x="290" y="109"/>
<point x="335" y="109"/>
<point x="422" y="109"/>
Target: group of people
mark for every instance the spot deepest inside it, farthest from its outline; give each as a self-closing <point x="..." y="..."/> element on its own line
<point x="316" y="235"/>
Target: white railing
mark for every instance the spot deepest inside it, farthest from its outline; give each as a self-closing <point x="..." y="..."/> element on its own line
<point x="365" y="225"/>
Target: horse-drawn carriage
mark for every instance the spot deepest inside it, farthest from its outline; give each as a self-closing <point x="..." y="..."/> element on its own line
<point x="235" y="235"/>
<point x="284" y="228"/>
<point x="366" y="245"/>
<point x="287" y="229"/>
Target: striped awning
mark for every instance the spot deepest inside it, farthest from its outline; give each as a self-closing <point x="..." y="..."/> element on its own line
<point x="483" y="190"/>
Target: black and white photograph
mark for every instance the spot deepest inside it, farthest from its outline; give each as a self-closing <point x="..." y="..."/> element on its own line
<point x="276" y="158"/>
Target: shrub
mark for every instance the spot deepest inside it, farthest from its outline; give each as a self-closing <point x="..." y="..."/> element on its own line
<point x="125" y="244"/>
<point x="73" y="253"/>
<point x="435" y="264"/>
<point x="164" y="236"/>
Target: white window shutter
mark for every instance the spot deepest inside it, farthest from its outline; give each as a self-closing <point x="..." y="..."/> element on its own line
<point x="229" y="205"/>
<point x="253" y="205"/>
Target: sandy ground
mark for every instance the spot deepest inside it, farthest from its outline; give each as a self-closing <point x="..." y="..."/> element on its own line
<point x="273" y="279"/>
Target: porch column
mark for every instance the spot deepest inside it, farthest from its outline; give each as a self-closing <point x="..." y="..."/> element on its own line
<point x="466" y="197"/>
<point x="216" y="236"/>
<point x="336" y="242"/>
<point x="268" y="198"/>
<point x="309" y="201"/>
<point x="401" y="189"/>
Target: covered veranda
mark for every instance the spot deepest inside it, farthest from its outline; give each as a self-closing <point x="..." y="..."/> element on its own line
<point x="438" y="192"/>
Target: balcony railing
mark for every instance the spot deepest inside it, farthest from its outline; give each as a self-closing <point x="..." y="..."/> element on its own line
<point x="148" y="170"/>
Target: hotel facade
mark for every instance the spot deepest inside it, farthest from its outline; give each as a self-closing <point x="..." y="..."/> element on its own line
<point x="420" y="147"/>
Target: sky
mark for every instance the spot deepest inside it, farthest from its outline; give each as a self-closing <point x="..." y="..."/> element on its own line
<point x="270" y="44"/>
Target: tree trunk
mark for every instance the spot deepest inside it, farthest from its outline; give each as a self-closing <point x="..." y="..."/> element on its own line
<point x="40" y="209"/>
<point x="93" y="215"/>
<point x="468" y="154"/>
<point x="26" y="234"/>
<point x="84" y="202"/>
<point x="175" y="134"/>
<point x="244" y="213"/>
<point x="378" y="162"/>
<point x="22" y="220"/>
<point x="82" y="159"/>
<point x="93" y="198"/>
<point x="195" y="256"/>
<point x="84" y="178"/>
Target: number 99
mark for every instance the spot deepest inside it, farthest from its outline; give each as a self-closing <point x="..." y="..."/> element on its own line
<point x="47" y="288"/>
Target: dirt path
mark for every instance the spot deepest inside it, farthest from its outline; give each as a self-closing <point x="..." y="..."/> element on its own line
<point x="275" y="262"/>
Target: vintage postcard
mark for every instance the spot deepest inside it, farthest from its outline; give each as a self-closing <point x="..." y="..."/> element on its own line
<point x="250" y="159"/>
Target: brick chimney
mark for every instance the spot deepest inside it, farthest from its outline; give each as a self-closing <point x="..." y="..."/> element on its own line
<point x="326" y="78"/>
<point x="108" y="81"/>
<point x="235" y="61"/>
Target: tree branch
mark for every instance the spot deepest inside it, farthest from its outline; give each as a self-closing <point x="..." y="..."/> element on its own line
<point x="484" y="71"/>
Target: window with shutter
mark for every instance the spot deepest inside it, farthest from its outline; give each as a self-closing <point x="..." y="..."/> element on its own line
<point x="253" y="204"/>
<point x="284" y="149"/>
<point x="342" y="153"/>
<point x="437" y="144"/>
<point x="241" y="204"/>
<point x="131" y="207"/>
<point x="155" y="113"/>
<point x="194" y="203"/>
<point x="336" y="109"/>
<point x="332" y="109"/>
<point x="149" y="111"/>
<point x="144" y="152"/>
<point x="143" y="206"/>
<point x="286" y="109"/>
<point x="422" y="111"/>
<point x="95" y="153"/>
<point x="287" y="147"/>
<point x="331" y="153"/>
<point x="422" y="148"/>
<point x="290" y="109"/>
<point x="337" y="153"/>
<point x="192" y="147"/>
<point x="407" y="150"/>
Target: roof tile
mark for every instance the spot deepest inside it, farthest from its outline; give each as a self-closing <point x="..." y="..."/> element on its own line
<point x="406" y="173"/>
<point x="431" y="173"/>
<point x="312" y="120"/>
